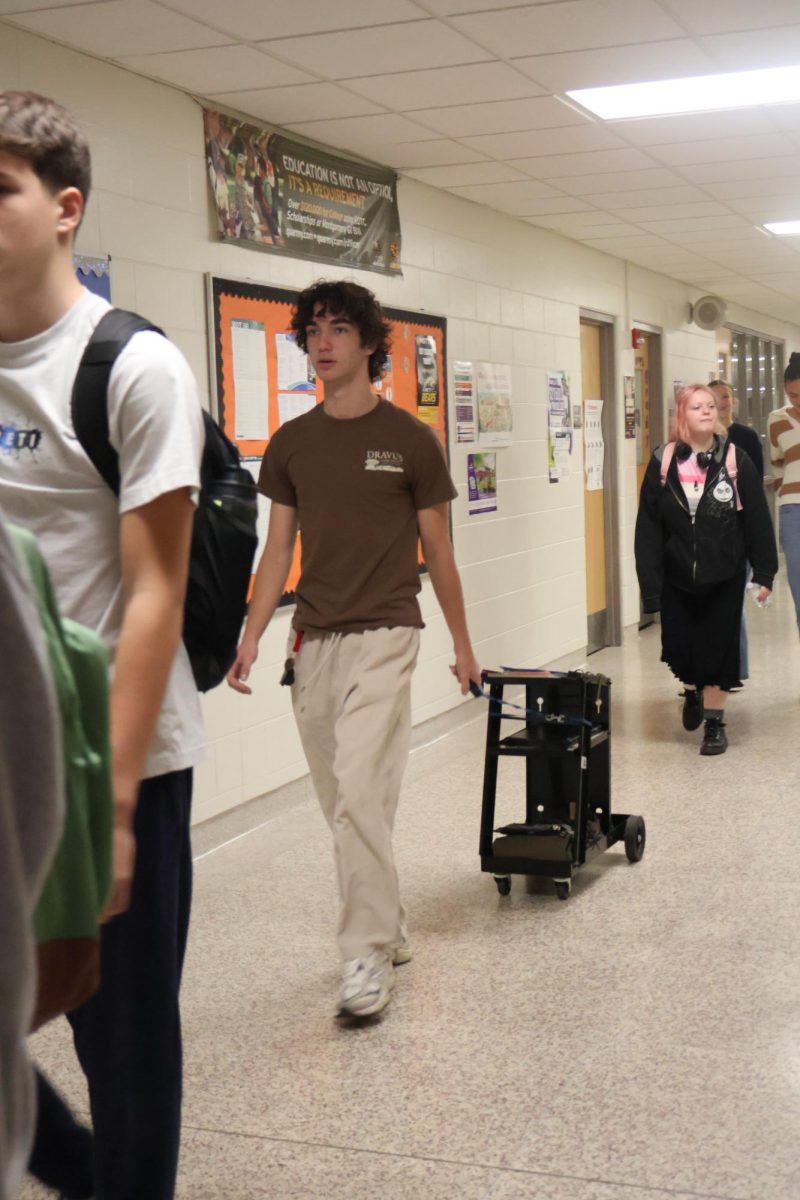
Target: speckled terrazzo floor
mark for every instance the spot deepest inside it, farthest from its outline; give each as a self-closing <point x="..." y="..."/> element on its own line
<point x="640" y="1042"/>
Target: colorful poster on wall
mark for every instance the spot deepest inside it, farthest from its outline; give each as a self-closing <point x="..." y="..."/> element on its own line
<point x="493" y="393"/>
<point x="464" y="399"/>
<point x="427" y="378"/>
<point x="593" y="445"/>
<point x="279" y="195"/>
<point x="481" y="483"/>
<point x="256" y="363"/>
<point x="559" y="425"/>
<point x="629" y="392"/>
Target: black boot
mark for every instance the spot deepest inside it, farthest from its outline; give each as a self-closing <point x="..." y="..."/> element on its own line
<point x="715" y="740"/>
<point x="692" y="708"/>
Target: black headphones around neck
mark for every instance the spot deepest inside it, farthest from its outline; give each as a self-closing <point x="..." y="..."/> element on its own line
<point x="704" y="458"/>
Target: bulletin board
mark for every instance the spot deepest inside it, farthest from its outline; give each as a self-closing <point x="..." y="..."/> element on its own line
<point x="262" y="379"/>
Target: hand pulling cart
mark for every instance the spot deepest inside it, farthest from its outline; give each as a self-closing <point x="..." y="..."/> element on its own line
<point x="566" y="746"/>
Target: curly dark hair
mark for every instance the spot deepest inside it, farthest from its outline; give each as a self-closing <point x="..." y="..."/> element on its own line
<point x="792" y="372"/>
<point x="41" y="132"/>
<point x="341" y="298"/>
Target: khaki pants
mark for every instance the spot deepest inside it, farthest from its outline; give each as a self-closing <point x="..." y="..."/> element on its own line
<point x="352" y="704"/>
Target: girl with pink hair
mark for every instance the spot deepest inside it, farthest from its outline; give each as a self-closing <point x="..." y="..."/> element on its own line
<point x="702" y="517"/>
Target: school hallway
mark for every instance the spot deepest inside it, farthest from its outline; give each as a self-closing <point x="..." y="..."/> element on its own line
<point x="638" y="1042"/>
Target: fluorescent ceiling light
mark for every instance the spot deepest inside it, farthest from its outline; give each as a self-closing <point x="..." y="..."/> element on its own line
<point x="783" y="228"/>
<point x="696" y="93"/>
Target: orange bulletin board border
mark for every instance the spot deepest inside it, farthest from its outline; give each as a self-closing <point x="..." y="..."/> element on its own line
<point x="234" y="300"/>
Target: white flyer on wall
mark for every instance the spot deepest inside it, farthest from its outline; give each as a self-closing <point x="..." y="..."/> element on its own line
<point x="493" y="391"/>
<point x="295" y="373"/>
<point x="464" y="392"/>
<point x="593" y="445"/>
<point x="559" y="425"/>
<point x="250" y="387"/>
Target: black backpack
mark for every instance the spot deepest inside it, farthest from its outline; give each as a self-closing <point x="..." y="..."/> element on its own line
<point x="224" y="534"/>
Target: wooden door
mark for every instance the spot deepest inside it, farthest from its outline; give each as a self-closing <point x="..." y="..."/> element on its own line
<point x="594" y="500"/>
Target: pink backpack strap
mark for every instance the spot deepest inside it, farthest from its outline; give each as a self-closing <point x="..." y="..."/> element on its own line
<point x="733" y="472"/>
<point x="666" y="459"/>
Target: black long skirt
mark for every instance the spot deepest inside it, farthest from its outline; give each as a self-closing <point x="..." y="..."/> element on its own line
<point x="700" y="633"/>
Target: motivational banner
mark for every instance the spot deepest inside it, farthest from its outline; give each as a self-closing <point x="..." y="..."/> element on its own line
<point x="280" y="195"/>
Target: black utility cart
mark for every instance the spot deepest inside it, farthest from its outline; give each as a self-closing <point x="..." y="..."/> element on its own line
<point x="566" y="746"/>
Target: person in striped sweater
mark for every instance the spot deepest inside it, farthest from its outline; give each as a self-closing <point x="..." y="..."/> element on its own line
<point x="783" y="438"/>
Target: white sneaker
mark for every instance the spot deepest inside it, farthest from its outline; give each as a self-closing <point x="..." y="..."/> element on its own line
<point x="401" y="953"/>
<point x="366" y="985"/>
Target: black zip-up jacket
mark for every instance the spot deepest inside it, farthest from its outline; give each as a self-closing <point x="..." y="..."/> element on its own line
<point x="694" y="554"/>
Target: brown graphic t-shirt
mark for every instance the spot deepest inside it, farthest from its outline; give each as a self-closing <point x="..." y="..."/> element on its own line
<point x="357" y="486"/>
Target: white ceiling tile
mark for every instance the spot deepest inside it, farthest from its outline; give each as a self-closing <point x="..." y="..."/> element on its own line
<point x="308" y="102"/>
<point x="217" y="69"/>
<point x="408" y="47"/>
<point x="782" y="283"/>
<point x="763" y="47"/>
<point x="590" y="163"/>
<point x="574" y="222"/>
<point x="778" y="47"/>
<point x="402" y="155"/>
<point x="513" y="198"/>
<point x="754" y="168"/>
<point x="695" y="224"/>
<point x="559" y="204"/>
<point x="661" y="212"/>
<point x="255" y="19"/>
<point x="447" y="8"/>
<point x="7" y="7"/>
<point x="631" y="197"/>
<point x="120" y="27"/>
<point x="465" y="174"/>
<point x="600" y="65"/>
<point x="786" y="116"/>
<point x="384" y="127"/>
<point x="499" y="116"/>
<point x="695" y="127"/>
<point x="788" y="185"/>
<point x="571" y="139"/>
<point x="768" y="208"/>
<point x="744" y="235"/>
<point x="607" y="181"/>
<point x="594" y="231"/>
<point x="731" y="149"/>
<point x="570" y="25"/>
<point x="722" y="16"/>
<point x="615" y="245"/>
<point x="438" y="88"/>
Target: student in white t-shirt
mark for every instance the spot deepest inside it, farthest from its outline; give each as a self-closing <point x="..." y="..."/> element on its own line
<point x="118" y="565"/>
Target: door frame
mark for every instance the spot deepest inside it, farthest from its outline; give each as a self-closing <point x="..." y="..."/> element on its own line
<point x="611" y="467"/>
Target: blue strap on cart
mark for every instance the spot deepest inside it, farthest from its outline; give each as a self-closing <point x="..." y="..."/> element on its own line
<point x="531" y="714"/>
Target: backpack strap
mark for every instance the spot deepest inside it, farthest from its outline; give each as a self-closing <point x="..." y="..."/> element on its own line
<point x="666" y="459"/>
<point x="733" y="472"/>
<point x="89" y="402"/>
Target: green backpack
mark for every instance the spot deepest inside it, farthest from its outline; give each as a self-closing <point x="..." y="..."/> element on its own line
<point x="67" y="916"/>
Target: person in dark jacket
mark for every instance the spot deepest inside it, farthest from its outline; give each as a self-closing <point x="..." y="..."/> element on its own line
<point x="698" y="526"/>
<point x="741" y="435"/>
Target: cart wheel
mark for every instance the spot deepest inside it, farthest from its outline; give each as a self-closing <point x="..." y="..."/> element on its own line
<point x="635" y="837"/>
<point x="563" y="888"/>
<point x="503" y="884"/>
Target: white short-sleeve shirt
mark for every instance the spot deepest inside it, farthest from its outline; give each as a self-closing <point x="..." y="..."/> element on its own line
<point x="48" y="484"/>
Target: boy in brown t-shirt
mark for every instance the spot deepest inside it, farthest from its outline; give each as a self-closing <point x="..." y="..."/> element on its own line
<point x="364" y="481"/>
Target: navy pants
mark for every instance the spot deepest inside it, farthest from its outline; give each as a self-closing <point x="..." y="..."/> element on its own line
<point x="128" y="1036"/>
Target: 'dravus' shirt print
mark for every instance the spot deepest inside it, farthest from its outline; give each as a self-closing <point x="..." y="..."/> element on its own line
<point x="357" y="486"/>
